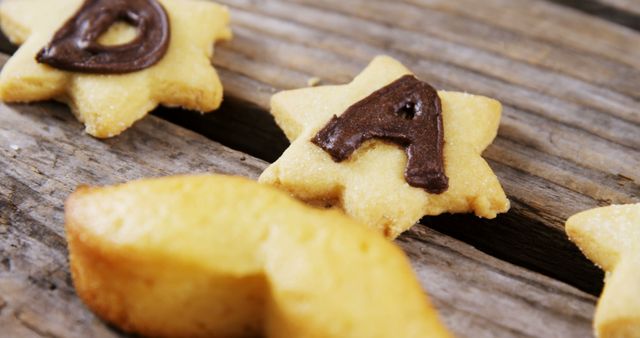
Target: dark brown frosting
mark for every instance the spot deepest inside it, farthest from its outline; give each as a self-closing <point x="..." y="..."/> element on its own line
<point x="407" y="112"/>
<point x="75" y="46"/>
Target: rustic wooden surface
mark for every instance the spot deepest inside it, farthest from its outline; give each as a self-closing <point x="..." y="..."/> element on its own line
<point x="570" y="140"/>
<point x="45" y="156"/>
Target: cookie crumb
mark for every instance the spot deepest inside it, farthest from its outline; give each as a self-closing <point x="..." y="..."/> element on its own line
<point x="314" y="81"/>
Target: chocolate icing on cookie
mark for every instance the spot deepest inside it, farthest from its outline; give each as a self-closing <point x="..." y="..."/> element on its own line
<point x="407" y="112"/>
<point x="75" y="46"/>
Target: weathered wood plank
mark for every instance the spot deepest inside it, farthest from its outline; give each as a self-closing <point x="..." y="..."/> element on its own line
<point x="467" y="44"/>
<point x="44" y="155"/>
<point x="569" y="138"/>
<point x="550" y="23"/>
<point x="481" y="36"/>
<point x="431" y="253"/>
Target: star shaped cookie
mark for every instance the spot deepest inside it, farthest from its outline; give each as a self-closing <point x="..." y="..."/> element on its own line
<point x="610" y="237"/>
<point x="109" y="104"/>
<point x="370" y="186"/>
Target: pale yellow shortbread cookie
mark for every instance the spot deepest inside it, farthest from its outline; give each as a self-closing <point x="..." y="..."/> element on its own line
<point x="370" y="186"/>
<point x="109" y="104"/>
<point x="216" y="256"/>
<point x="610" y="237"/>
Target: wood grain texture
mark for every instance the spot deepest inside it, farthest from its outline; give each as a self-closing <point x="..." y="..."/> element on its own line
<point x="569" y="83"/>
<point x="45" y="155"/>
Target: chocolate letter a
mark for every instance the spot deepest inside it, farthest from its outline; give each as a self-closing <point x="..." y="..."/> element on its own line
<point x="408" y="113"/>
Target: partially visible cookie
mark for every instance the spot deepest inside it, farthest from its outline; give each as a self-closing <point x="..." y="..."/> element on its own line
<point x="215" y="256"/>
<point x="169" y="64"/>
<point x="610" y="237"/>
<point x="376" y="182"/>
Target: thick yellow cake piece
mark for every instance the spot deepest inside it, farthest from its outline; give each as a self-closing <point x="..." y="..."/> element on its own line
<point x="370" y="186"/>
<point x="215" y="256"/>
<point x="109" y="104"/>
<point x="610" y="237"/>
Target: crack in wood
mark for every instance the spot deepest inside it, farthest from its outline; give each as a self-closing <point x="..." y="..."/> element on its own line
<point x="30" y="226"/>
<point x="6" y="263"/>
<point x="420" y="235"/>
<point x="34" y="324"/>
<point x="604" y="11"/>
<point x="3" y="304"/>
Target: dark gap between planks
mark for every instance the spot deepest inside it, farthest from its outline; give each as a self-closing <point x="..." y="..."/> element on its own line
<point x="603" y="11"/>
